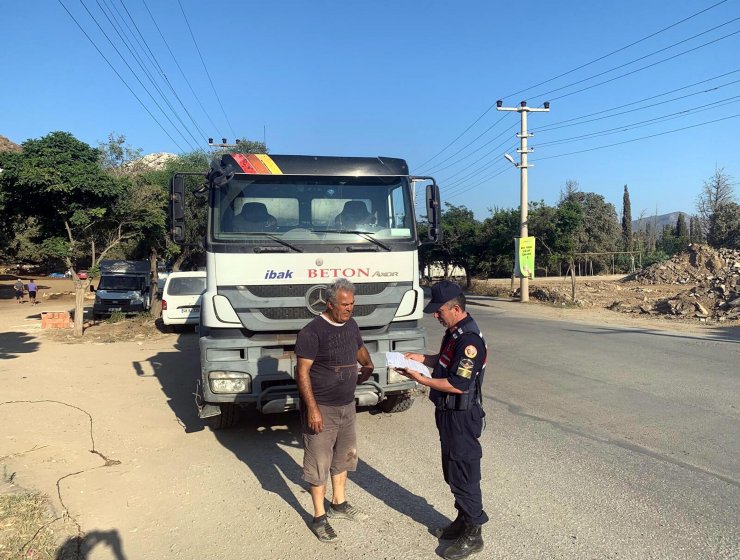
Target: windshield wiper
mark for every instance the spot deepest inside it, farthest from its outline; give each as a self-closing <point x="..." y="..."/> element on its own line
<point x="364" y="234"/>
<point x="275" y="238"/>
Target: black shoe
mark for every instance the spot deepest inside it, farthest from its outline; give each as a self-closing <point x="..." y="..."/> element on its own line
<point x="467" y="544"/>
<point x="451" y="531"/>
<point x="346" y="511"/>
<point x="323" y="531"/>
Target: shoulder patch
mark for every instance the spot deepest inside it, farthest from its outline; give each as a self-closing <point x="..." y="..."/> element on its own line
<point x="465" y="368"/>
<point x="471" y="351"/>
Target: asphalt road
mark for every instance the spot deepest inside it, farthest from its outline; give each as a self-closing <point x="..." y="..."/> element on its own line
<point x="608" y="442"/>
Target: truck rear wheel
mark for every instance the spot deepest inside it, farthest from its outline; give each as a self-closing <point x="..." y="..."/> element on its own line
<point x="227" y="419"/>
<point x="396" y="403"/>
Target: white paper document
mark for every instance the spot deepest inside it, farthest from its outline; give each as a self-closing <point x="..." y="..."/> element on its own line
<point x="397" y="360"/>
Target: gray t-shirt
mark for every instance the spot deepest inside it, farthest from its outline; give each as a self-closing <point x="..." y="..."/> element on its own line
<point x="333" y="349"/>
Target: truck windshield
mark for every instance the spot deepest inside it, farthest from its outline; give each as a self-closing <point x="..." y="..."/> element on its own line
<point x="121" y="283"/>
<point x="314" y="209"/>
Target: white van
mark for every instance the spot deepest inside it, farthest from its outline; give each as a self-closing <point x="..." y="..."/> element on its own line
<point x="181" y="297"/>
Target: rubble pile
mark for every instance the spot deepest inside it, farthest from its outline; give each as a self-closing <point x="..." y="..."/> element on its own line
<point x="715" y="279"/>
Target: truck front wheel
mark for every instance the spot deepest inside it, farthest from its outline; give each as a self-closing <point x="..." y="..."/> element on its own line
<point x="227" y="419"/>
<point x="396" y="403"/>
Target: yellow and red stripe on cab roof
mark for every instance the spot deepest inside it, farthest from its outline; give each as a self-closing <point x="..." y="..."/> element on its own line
<point x="257" y="164"/>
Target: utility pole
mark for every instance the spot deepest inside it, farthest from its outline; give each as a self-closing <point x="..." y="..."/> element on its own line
<point x="522" y="165"/>
<point x="223" y="144"/>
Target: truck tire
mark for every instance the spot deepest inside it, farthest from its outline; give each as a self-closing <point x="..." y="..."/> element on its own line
<point x="396" y="403"/>
<point x="227" y="419"/>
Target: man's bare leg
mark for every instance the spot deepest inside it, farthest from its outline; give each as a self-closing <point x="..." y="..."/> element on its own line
<point x="338" y="488"/>
<point x="318" y="493"/>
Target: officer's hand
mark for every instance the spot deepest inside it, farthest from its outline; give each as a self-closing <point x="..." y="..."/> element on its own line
<point x="410" y="373"/>
<point x="315" y="420"/>
<point x="413" y="356"/>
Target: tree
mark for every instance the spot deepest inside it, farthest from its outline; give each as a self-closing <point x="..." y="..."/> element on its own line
<point x="58" y="180"/>
<point x="598" y="229"/>
<point x="695" y="230"/>
<point x="626" y="220"/>
<point x="117" y="157"/>
<point x="461" y="240"/>
<point x="724" y="226"/>
<point x="497" y="241"/>
<point x="716" y="191"/>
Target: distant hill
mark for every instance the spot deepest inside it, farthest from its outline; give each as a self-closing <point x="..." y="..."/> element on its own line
<point x="657" y="222"/>
<point x="8" y="146"/>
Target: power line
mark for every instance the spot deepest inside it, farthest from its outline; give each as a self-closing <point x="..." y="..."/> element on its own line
<point x="570" y="72"/>
<point x="208" y="116"/>
<point x="146" y="49"/>
<point x="206" y="69"/>
<point x="638" y="59"/>
<point x="134" y="73"/>
<point x="120" y="77"/>
<point x="646" y="67"/>
<point x="119" y="29"/>
<point x="629" y="73"/>
<point x="640" y="124"/>
<point x="436" y="169"/>
<point x="479" y="170"/>
<point x="562" y="124"/>
<point x="641" y="138"/>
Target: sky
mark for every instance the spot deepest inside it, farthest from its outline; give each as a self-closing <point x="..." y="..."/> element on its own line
<point x="415" y="80"/>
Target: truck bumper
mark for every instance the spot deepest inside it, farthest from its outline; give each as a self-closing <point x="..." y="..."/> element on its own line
<point x="269" y="365"/>
<point x="125" y="308"/>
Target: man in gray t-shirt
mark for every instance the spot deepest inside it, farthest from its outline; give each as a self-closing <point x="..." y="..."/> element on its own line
<point x="329" y="349"/>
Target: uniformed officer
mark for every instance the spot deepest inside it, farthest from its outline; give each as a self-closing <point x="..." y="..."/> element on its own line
<point x="456" y="382"/>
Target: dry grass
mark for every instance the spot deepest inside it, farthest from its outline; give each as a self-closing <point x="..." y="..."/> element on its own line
<point x="28" y="529"/>
<point x="115" y="329"/>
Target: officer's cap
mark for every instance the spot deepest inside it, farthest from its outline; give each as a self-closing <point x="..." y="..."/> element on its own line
<point x="442" y="292"/>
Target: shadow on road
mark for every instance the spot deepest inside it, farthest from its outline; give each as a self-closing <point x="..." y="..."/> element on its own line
<point x="80" y="548"/>
<point x="261" y="443"/>
<point x="177" y="371"/>
<point x="12" y="344"/>
<point x="719" y="334"/>
<point x="265" y="443"/>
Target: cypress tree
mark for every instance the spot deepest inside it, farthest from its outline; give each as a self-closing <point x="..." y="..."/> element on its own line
<point x="626" y="220"/>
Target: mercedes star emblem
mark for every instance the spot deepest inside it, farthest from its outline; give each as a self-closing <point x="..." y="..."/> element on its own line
<point x="316" y="300"/>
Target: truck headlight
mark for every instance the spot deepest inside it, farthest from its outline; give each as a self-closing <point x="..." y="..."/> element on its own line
<point x="229" y="382"/>
<point x="98" y="301"/>
<point x="395" y="377"/>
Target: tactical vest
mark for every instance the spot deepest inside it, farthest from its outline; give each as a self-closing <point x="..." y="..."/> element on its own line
<point x="454" y="401"/>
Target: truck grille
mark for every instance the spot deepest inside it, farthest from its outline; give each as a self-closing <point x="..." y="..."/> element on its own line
<point x="299" y="290"/>
<point x="284" y="313"/>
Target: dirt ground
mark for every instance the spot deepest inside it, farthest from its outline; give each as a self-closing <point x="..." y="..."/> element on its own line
<point x="74" y="411"/>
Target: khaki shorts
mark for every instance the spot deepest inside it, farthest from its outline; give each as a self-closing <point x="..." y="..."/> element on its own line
<point x="332" y="451"/>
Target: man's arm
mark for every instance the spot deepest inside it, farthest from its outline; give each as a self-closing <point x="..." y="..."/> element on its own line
<point x="367" y="367"/>
<point x="315" y="420"/>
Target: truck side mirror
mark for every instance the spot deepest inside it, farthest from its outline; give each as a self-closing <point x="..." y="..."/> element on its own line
<point x="434" y="213"/>
<point x="177" y="208"/>
<point x="92" y="288"/>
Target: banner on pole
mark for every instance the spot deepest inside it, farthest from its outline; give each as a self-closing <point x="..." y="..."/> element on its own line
<point x="524" y="257"/>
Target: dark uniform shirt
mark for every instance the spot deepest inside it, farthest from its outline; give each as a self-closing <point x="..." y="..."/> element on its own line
<point x="462" y="361"/>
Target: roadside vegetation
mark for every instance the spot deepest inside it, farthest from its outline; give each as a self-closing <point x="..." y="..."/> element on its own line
<point x="65" y="206"/>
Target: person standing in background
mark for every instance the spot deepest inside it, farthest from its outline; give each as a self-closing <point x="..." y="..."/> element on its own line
<point x="19" y="289"/>
<point x="32" y="289"/>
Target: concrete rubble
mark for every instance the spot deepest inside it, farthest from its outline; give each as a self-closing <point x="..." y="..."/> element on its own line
<point x="713" y="276"/>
